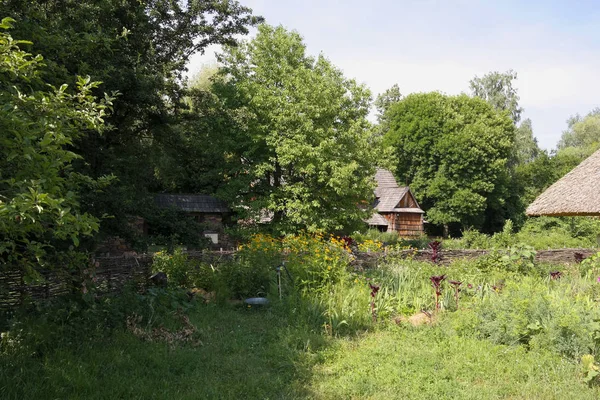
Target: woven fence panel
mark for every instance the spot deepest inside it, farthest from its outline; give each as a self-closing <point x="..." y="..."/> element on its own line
<point x="110" y="275"/>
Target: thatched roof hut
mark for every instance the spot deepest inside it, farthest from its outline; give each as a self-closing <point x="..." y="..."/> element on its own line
<point x="576" y="193"/>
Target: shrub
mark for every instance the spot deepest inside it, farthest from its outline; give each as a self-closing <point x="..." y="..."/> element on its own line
<point x="184" y="272"/>
<point x="316" y="261"/>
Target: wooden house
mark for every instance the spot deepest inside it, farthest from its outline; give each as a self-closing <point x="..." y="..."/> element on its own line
<point x="207" y="210"/>
<point x="396" y="209"/>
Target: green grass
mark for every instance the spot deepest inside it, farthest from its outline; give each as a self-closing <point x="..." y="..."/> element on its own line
<point x="424" y="363"/>
<point x="260" y="354"/>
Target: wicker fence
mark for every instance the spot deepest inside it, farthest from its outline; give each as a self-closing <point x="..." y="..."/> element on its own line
<point x="109" y="273"/>
<point x="558" y="256"/>
<point x="112" y="273"/>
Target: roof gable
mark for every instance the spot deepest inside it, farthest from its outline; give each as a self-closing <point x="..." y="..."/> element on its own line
<point x="389" y="195"/>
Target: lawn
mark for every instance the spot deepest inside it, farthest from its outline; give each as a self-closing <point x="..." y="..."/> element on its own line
<point x="261" y="354"/>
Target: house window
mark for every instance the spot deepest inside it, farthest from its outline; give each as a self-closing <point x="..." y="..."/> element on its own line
<point x="214" y="237"/>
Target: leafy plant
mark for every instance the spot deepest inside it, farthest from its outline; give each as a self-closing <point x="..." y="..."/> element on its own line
<point x="456" y="286"/>
<point x="374" y="290"/>
<point x="436" y="281"/>
<point x="40" y="214"/>
<point x="436" y="248"/>
<point x="520" y="258"/>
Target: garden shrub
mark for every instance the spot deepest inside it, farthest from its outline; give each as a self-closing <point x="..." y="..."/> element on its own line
<point x="316" y="261"/>
<point x="541" y="315"/>
<point x="184" y="272"/>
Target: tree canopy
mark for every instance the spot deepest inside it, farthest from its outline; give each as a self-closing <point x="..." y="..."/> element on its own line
<point x="582" y="132"/>
<point x="140" y="49"/>
<point x="497" y="89"/>
<point x="453" y="152"/>
<point x="305" y="151"/>
<point x="40" y="215"/>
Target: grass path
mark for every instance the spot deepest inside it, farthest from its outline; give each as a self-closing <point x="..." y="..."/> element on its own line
<point x="255" y="355"/>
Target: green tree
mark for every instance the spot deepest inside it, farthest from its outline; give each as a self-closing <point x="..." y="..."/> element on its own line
<point x="305" y="151"/>
<point x="39" y="206"/>
<point x="582" y="132"/>
<point x="497" y="89"/>
<point x="453" y="152"/>
<point x="526" y="145"/>
<point x="139" y="48"/>
<point x="386" y="99"/>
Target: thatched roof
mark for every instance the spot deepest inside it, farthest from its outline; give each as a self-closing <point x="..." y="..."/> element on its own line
<point x="576" y="193"/>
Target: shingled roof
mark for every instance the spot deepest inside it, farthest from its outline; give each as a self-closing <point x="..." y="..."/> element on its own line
<point x="377" y="220"/>
<point x="388" y="194"/>
<point x="192" y="203"/>
<point x="576" y="193"/>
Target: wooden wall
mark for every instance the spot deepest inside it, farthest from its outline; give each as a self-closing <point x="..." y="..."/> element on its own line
<point x="406" y="224"/>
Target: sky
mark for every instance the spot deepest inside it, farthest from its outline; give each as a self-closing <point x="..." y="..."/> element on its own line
<point x="437" y="45"/>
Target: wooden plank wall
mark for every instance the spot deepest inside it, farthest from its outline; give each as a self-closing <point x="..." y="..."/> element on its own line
<point x="406" y="224"/>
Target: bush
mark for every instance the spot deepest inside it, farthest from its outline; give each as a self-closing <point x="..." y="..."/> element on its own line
<point x="183" y="272"/>
<point x="540" y="314"/>
<point x="540" y="233"/>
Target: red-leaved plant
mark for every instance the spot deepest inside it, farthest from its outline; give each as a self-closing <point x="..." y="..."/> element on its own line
<point x="374" y="290"/>
<point x="554" y="275"/>
<point x="437" y="286"/>
<point x="436" y="248"/>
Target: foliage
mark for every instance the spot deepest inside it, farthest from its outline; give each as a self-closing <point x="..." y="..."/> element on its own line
<point x="289" y="360"/>
<point x="453" y="152"/>
<point x="387" y="238"/>
<point x="540" y="316"/>
<point x="39" y="208"/>
<point x="306" y="152"/>
<point x="497" y="89"/>
<point x="184" y="272"/>
<point x="170" y="227"/>
<point x="386" y="99"/>
<point x="582" y="132"/>
<point x="434" y="365"/>
<point x="436" y="247"/>
<point x="43" y="327"/>
<point x="315" y="262"/>
<point x="139" y="48"/>
<point x="369" y="245"/>
<point x="526" y="144"/>
<point x="539" y="233"/>
<point x="590" y="369"/>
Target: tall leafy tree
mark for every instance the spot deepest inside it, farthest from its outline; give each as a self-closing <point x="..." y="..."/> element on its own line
<point x="453" y="152"/>
<point x="526" y="145"/>
<point x="582" y="132"/>
<point x="497" y="89"/>
<point x="40" y="216"/>
<point x="305" y="152"/>
<point x="386" y="99"/>
<point x="140" y="49"/>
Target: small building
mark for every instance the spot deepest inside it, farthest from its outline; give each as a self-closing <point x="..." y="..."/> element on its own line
<point x="396" y="208"/>
<point x="207" y="210"/>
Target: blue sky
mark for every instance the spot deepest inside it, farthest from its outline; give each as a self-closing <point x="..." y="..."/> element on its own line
<point x="436" y="45"/>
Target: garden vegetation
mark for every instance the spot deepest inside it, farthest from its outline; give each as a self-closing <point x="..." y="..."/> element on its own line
<point x="98" y="117"/>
